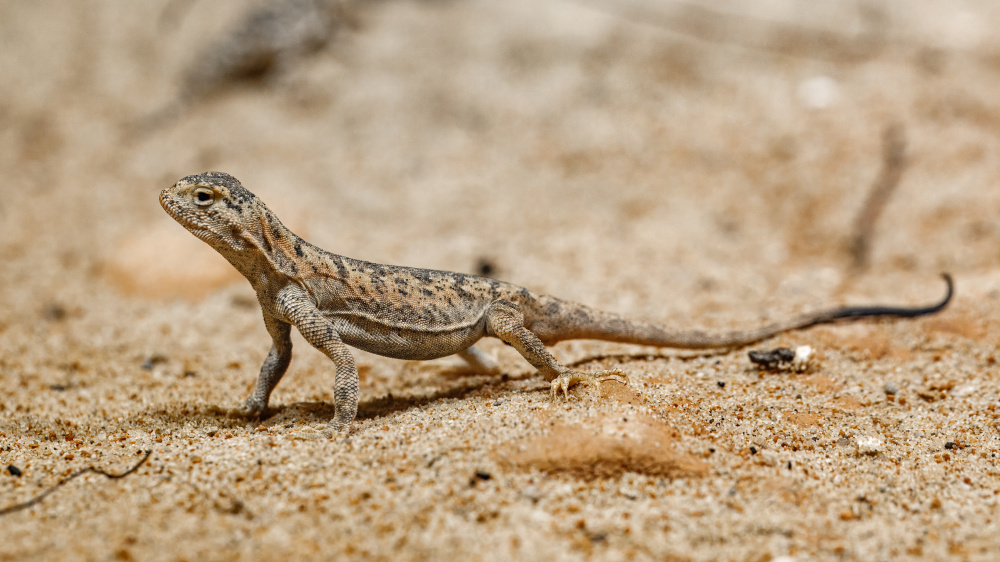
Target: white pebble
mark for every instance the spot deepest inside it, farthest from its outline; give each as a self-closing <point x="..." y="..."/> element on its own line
<point x="869" y="445"/>
<point x="801" y="359"/>
<point x="964" y="390"/>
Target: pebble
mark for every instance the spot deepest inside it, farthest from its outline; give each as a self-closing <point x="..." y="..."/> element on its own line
<point x="13" y="470"/>
<point x="479" y="476"/>
<point x="801" y="359"/>
<point x="869" y="445"/>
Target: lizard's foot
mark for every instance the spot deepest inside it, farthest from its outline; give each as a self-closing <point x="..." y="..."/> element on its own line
<point x="312" y="432"/>
<point x="253" y="408"/>
<point x="564" y="381"/>
<point x="316" y="431"/>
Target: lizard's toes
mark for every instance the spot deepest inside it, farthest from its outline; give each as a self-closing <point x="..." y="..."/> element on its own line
<point x="566" y="380"/>
<point x="253" y="408"/>
<point x="312" y="432"/>
<point x="559" y="383"/>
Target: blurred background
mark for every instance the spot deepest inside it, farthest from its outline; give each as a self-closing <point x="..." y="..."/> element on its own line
<point x="659" y="158"/>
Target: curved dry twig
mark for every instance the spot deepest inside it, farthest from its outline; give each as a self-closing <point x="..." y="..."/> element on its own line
<point x="894" y="162"/>
<point x="37" y="499"/>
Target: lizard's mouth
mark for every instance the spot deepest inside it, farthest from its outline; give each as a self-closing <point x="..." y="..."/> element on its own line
<point x="176" y="212"/>
<point x="202" y="228"/>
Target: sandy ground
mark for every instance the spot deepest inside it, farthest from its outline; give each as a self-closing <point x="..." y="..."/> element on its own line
<point x="696" y="165"/>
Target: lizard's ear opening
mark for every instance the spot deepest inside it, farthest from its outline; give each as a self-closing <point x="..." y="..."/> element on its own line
<point x="203" y="196"/>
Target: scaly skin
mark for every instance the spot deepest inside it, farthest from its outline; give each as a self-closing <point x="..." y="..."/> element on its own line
<point x="411" y="313"/>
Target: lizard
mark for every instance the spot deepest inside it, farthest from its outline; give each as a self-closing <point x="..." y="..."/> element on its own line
<point x="411" y="313"/>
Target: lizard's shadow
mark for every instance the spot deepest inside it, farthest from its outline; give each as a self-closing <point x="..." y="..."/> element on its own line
<point x="388" y="404"/>
<point x="223" y="417"/>
<point x="315" y="412"/>
<point x="375" y="407"/>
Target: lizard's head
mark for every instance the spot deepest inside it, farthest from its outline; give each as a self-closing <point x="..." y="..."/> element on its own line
<point x="214" y="207"/>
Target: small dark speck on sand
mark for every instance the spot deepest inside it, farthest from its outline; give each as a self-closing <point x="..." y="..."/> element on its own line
<point x="480" y="475"/>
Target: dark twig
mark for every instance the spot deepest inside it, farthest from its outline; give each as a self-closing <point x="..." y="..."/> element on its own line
<point x="893" y="164"/>
<point x="773" y="358"/>
<point x="37" y="499"/>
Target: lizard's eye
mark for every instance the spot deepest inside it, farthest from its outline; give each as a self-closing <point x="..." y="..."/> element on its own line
<point x="204" y="196"/>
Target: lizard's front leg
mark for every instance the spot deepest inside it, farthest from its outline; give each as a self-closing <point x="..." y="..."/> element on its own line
<point x="274" y="366"/>
<point x="295" y="305"/>
<point x="505" y="321"/>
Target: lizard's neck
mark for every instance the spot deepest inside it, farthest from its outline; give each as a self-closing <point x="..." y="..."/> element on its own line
<point x="263" y="248"/>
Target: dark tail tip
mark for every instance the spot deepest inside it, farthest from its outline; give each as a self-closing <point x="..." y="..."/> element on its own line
<point x="911" y="312"/>
<point x="921" y="311"/>
<point x="947" y="296"/>
<point x="899" y="312"/>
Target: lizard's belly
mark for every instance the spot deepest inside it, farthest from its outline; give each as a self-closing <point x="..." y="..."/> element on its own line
<point x="401" y="343"/>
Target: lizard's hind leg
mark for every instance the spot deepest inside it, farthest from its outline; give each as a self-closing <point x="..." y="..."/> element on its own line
<point x="479" y="362"/>
<point x="506" y="321"/>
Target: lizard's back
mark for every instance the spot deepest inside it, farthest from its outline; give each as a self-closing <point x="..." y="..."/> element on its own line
<point x="403" y="312"/>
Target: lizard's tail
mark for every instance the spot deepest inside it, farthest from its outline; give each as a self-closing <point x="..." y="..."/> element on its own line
<point x="575" y="321"/>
